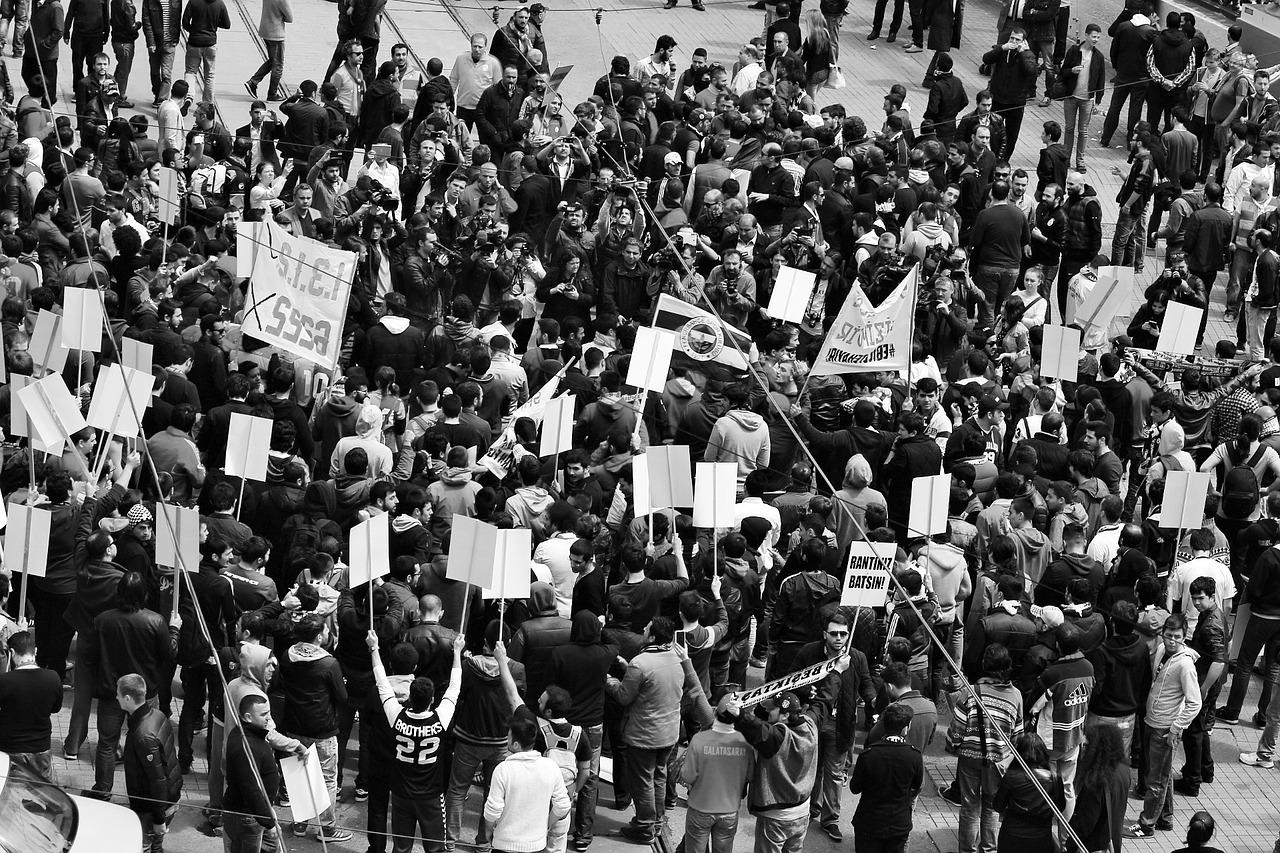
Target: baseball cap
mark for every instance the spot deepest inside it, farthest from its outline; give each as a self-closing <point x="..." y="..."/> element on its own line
<point x="672" y="157"/>
<point x="845" y="163"/>
<point x="697" y="115"/>
<point x="1122" y="341"/>
<point x="989" y="404"/>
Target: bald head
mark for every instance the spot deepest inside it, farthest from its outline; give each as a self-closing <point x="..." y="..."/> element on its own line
<point x="430" y="608"/>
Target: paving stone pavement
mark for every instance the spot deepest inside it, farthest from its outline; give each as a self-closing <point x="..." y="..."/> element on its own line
<point x="1245" y="801"/>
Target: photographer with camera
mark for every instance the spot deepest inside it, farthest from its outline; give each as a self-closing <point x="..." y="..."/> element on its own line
<point x="568" y="290"/>
<point x="564" y="160"/>
<point x="674" y="270"/>
<point x="802" y="242"/>
<point x="732" y="290"/>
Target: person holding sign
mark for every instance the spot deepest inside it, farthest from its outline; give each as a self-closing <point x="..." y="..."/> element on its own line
<point x="785" y="735"/>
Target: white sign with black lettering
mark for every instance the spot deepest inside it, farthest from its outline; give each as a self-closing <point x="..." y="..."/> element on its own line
<point x="866" y="583"/>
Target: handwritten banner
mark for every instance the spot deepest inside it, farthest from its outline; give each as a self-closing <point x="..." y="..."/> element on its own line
<point x="800" y="678"/>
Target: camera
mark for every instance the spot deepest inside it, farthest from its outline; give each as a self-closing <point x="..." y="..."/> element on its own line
<point x="380" y="196"/>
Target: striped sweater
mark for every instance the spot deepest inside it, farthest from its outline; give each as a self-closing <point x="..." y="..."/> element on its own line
<point x="975" y="730"/>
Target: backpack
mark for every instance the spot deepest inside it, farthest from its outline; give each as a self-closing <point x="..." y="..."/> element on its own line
<point x="303" y="544"/>
<point x="1240" y="488"/>
<point x="562" y="750"/>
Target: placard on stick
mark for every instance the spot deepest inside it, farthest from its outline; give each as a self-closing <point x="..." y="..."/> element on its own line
<point x="511" y="560"/>
<point x="248" y="442"/>
<point x="651" y="358"/>
<point x="168" y="208"/>
<point x="1060" y="353"/>
<point x="26" y="540"/>
<point x="791" y="294"/>
<point x="116" y="408"/>
<point x="177" y="538"/>
<point x="370" y="550"/>
<point x="1184" y="497"/>
<point x="1108" y="296"/>
<point x="82" y="319"/>
<point x="641" y="494"/>
<point x="304" y="782"/>
<point x="670" y="476"/>
<point x="1180" y="328"/>
<point x="867" y="581"/>
<point x="46" y="346"/>
<point x="52" y="412"/>
<point x="715" y="493"/>
<point x="471" y="548"/>
<point x="557" y="426"/>
<point x="137" y="354"/>
<point x="929" y="499"/>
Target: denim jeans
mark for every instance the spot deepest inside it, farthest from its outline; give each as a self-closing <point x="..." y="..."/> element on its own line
<point x="996" y="283"/>
<point x="124" y="65"/>
<point x="217" y="758"/>
<point x="1271" y="728"/>
<point x="161" y="63"/>
<point x="1125" y="724"/>
<point x="200" y="70"/>
<point x="780" y="836"/>
<point x="1065" y="764"/>
<point x="1195" y="742"/>
<point x="466" y="758"/>
<point x="21" y="20"/>
<point x="978" y="821"/>
<point x="111" y="722"/>
<point x="1258" y="634"/>
<point x="833" y="769"/>
<point x="54" y="633"/>
<point x="241" y="834"/>
<point x="273" y="65"/>
<point x="1158" y="804"/>
<point x="701" y="826"/>
<point x="1127" y="245"/>
<point x="1239" y="276"/>
<point x="865" y="843"/>
<point x="81" y="705"/>
<point x="327" y="752"/>
<point x="938" y="667"/>
<point x="584" y="819"/>
<point x="1256" y="321"/>
<point x="1077" y="113"/>
<point x="1136" y="92"/>
<point x="83" y="49"/>
<point x="647" y="782"/>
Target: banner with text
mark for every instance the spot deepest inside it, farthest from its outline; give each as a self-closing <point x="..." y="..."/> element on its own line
<point x="298" y="291"/>
<point x="867" y="581"/>
<point x="799" y="678"/>
<point x="866" y="337"/>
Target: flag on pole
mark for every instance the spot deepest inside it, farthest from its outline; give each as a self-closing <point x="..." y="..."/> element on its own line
<point x="703" y="342"/>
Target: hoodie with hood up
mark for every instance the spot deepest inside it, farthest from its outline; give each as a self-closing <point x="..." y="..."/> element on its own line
<point x="950" y="574"/>
<point x="1061" y="572"/>
<point x="410" y="539"/>
<point x="539" y="636"/>
<point x="601" y="418"/>
<point x="483" y="707"/>
<point x="335" y="419"/>
<point x="676" y="396"/>
<point x="253" y="682"/>
<point x="740" y="437"/>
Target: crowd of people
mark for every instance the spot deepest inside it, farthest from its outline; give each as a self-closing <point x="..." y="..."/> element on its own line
<point x="1062" y="633"/>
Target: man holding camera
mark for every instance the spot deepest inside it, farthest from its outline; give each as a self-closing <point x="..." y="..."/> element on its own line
<point x="732" y="290"/>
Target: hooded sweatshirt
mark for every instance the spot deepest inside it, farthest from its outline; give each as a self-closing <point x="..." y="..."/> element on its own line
<point x="740" y="437"/>
<point x="1061" y="572"/>
<point x="1121" y="675"/>
<point x="950" y="574"/>
<point x="580" y="667"/>
<point x="335" y="419"/>
<point x="676" y="396"/>
<point x="539" y="636"/>
<point x="453" y="494"/>
<point x="1033" y="552"/>
<point x="528" y="503"/>
<point x="314" y="689"/>
<point x="253" y="682"/>
<point x="483" y="708"/>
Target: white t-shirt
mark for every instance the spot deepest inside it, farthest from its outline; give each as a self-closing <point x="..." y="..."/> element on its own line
<point x="1179" y="587"/>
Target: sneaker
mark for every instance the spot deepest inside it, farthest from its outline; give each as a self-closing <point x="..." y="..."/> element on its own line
<point x="335" y="833"/>
<point x="581" y="843"/>
<point x="282" y="799"/>
<point x="157" y="103"/>
<point x="636" y="834"/>
<point x="1137" y="830"/>
<point x="758" y="663"/>
<point x="833" y="832"/>
<point x="951" y="794"/>
<point x="914" y="48"/>
<point x="124" y="104"/>
<point x="362" y="795"/>
<point x="300" y="830"/>
<point x="252" y="88"/>
<point x="1226" y="718"/>
<point x="1045" y="101"/>
<point x="70" y="754"/>
<point x="698" y="7"/>
<point x="1252" y="759"/>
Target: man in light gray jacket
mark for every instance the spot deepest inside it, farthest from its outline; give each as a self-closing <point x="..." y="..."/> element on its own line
<point x="651" y="693"/>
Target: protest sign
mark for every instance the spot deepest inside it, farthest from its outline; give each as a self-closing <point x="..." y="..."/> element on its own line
<point x="304" y="783"/>
<point x="298" y="291"/>
<point x="1184" y="494"/>
<point x="177" y="538"/>
<point x="651" y="359"/>
<point x="17" y="412"/>
<point x="370" y="549"/>
<point x="1209" y="366"/>
<point x="501" y="458"/>
<point x="1060" y="353"/>
<point x="26" y="539"/>
<point x="471" y="548"/>
<point x="670" y="476"/>
<point x="1180" y="328"/>
<point x="46" y="346"/>
<point x="641" y="502"/>
<point x="120" y="399"/>
<point x="715" y="493"/>
<point x="557" y="77"/>
<point x="867" y="581"/>
<point x="1106" y="298"/>
<point x="137" y="354"/>
<point x="248" y="442"/>
<point x="168" y="203"/>
<point x="511" y="562"/>
<point x="791" y="293"/>
<point x="82" y="319"/>
<point x="557" y="426"/>
<point x="866" y="337"/>
<point x="929" y="499"/>
<point x="52" y="413"/>
<point x="356" y="164"/>
<point x="797" y="679"/>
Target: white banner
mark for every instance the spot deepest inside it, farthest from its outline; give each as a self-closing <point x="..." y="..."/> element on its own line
<point x="298" y="291"/>
<point x="869" y="338"/>
<point x="501" y="457"/>
<point x="788" y="682"/>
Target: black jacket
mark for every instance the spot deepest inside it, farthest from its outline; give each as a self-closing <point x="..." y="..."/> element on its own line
<point x="917" y="456"/>
<point x="533" y="644"/>
<point x="123" y="642"/>
<point x="246" y="748"/>
<point x="1011" y="73"/>
<point x="314" y="690"/>
<point x="152" y="776"/>
<point x="888" y="775"/>
<point x="946" y="99"/>
<point x="1121" y="675"/>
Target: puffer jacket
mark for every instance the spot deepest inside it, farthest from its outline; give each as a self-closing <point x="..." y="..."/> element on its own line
<point x="152" y="775"/>
<point x="1084" y="225"/>
<point x="539" y="636"/>
<point x="651" y="694"/>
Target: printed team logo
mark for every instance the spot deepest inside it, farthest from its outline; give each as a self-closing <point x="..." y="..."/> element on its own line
<point x="702" y="338"/>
